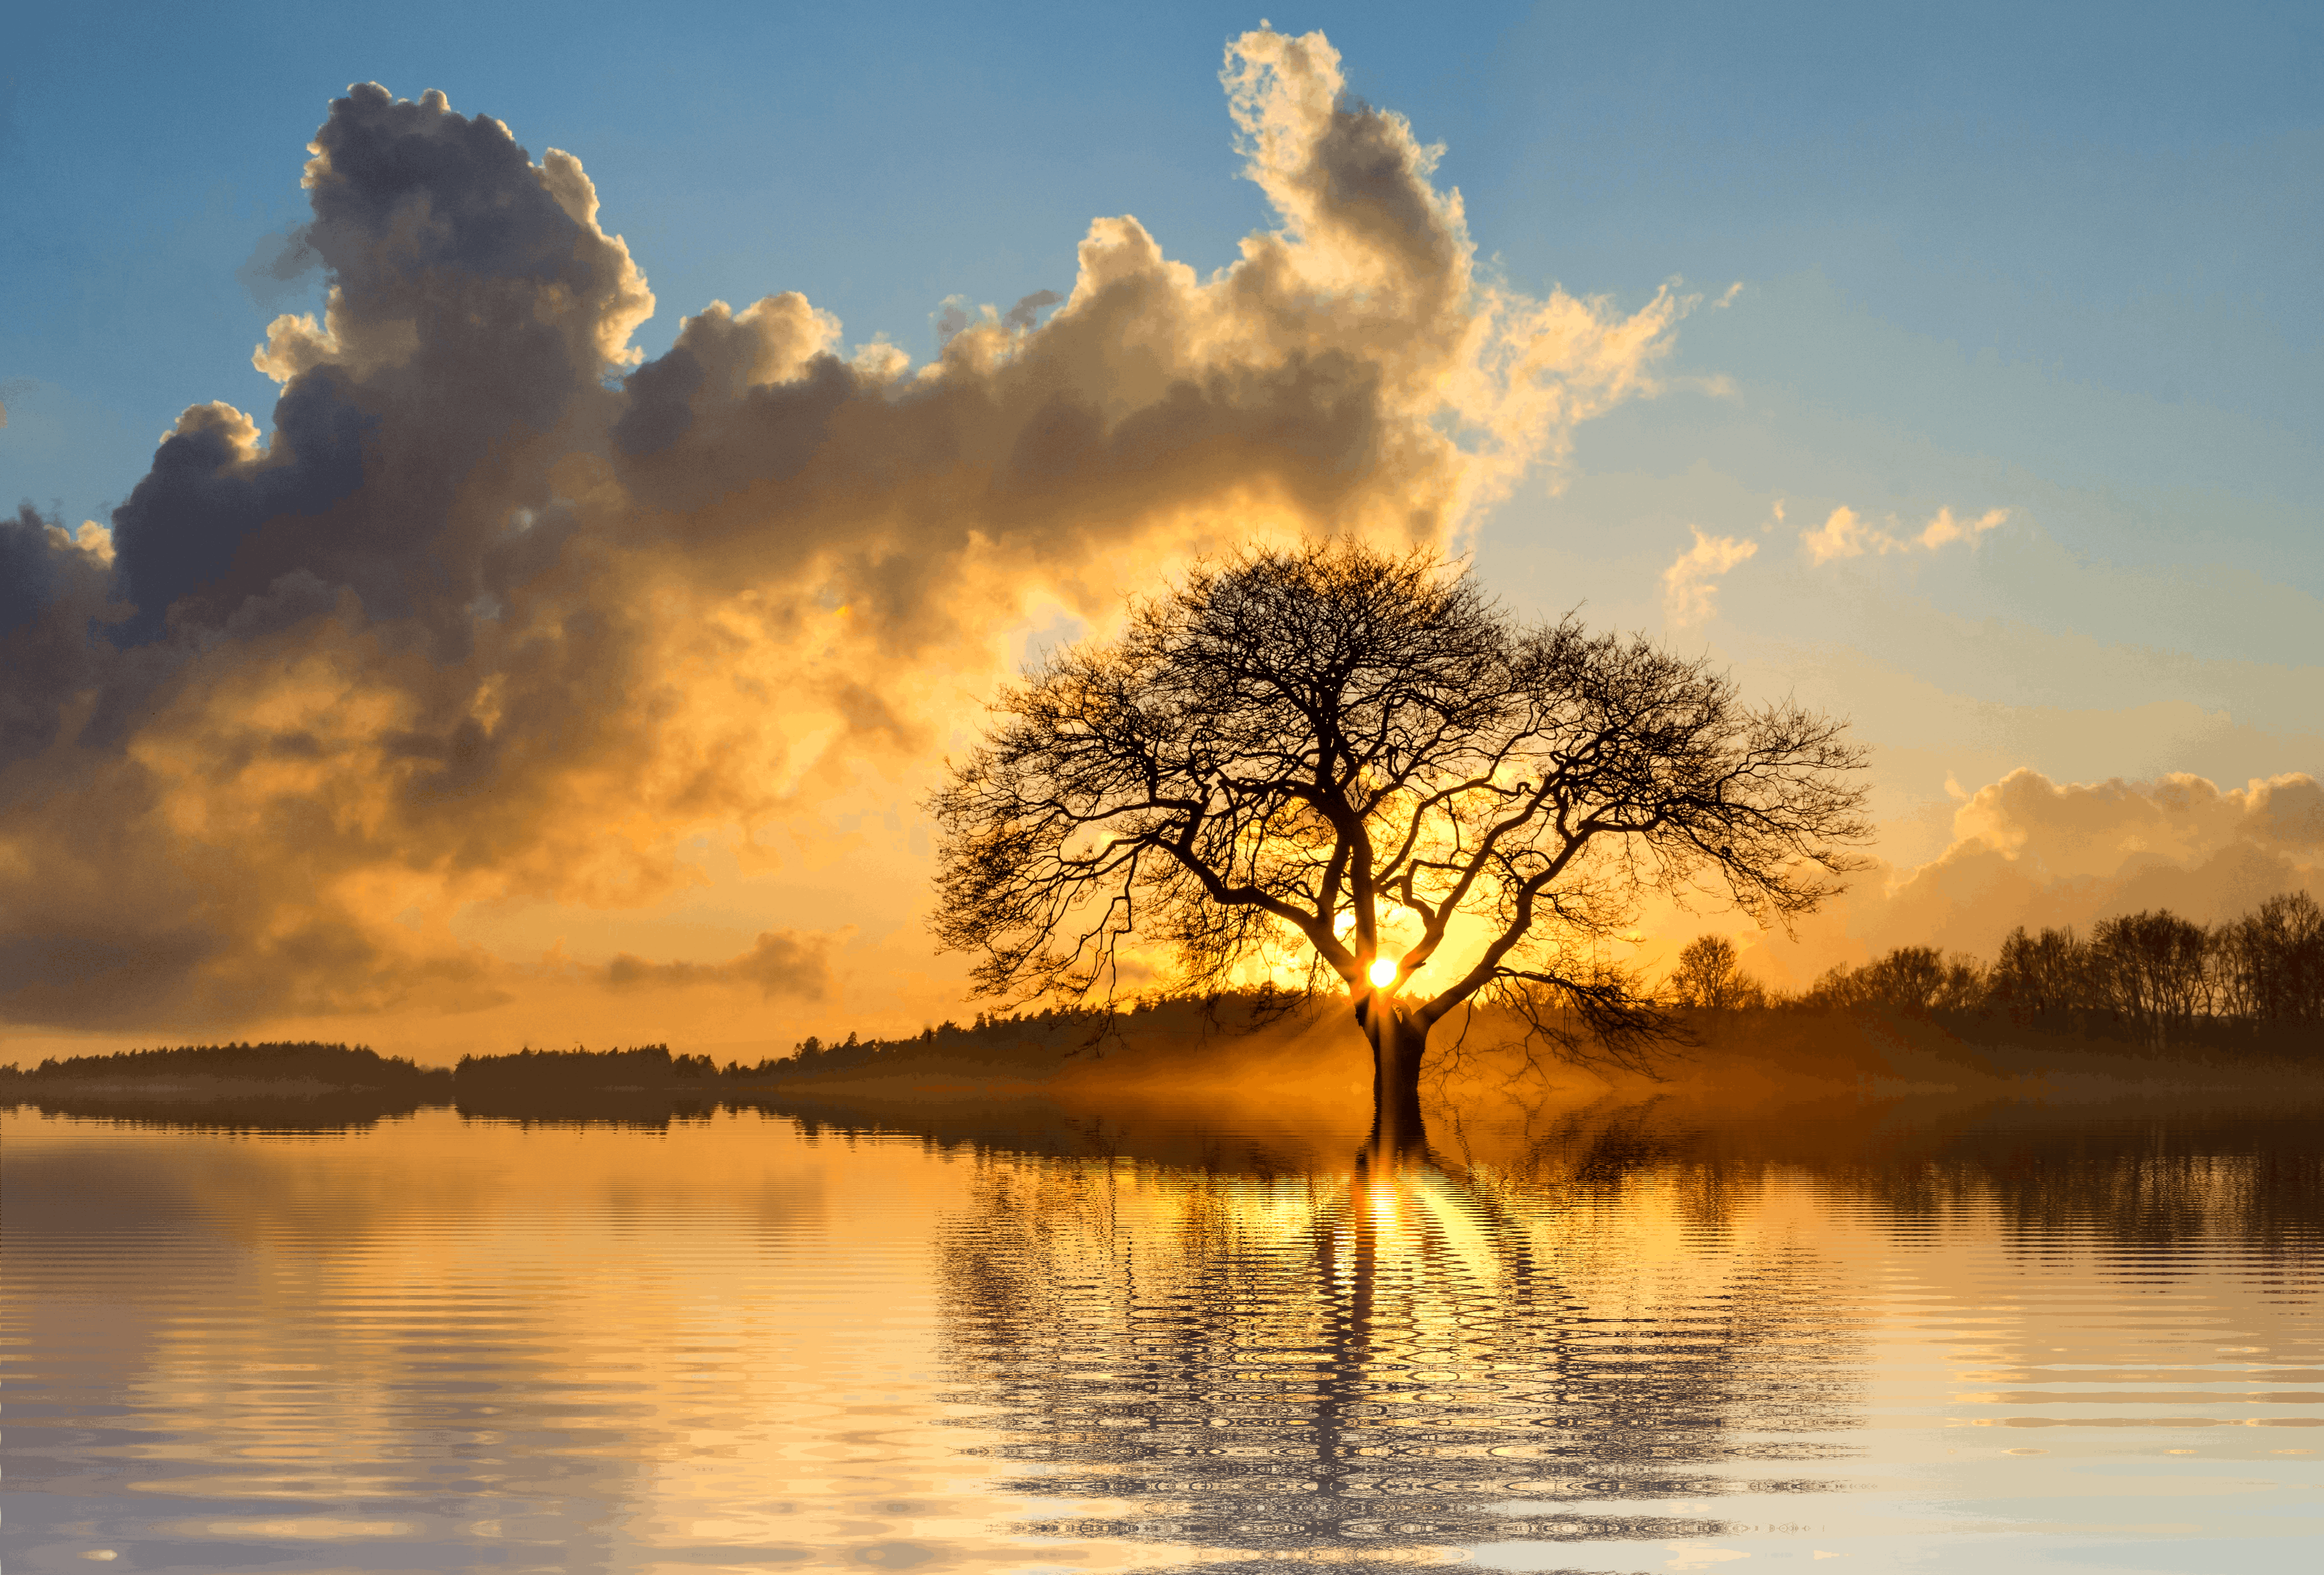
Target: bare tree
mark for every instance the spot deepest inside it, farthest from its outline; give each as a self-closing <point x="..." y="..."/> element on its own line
<point x="1916" y="979"/>
<point x="2271" y="961"/>
<point x="2043" y="977"/>
<point x="1354" y="761"/>
<point x="2153" y="969"/>
<point x="1710" y="976"/>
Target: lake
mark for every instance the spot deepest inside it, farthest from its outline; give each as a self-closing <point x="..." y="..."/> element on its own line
<point x="1856" y="1336"/>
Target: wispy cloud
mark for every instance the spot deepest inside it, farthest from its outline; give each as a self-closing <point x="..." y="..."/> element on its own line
<point x="1690" y="585"/>
<point x="1845" y="533"/>
<point x="1944" y="528"/>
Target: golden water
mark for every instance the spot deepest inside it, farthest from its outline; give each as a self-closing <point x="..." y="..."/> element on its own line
<point x="2021" y="1342"/>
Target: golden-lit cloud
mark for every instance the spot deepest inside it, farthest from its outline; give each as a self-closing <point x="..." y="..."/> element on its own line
<point x="2027" y="850"/>
<point x="1690" y="585"/>
<point x="499" y="616"/>
<point x="1845" y="533"/>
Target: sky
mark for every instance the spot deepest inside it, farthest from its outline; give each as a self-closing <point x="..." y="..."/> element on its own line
<point x="532" y="674"/>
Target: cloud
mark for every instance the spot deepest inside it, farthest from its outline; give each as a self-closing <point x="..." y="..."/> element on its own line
<point x="52" y="584"/>
<point x="1021" y="316"/>
<point x="279" y="265"/>
<point x="2028" y="851"/>
<point x="494" y="614"/>
<point x="780" y="963"/>
<point x="1846" y="534"/>
<point x="1842" y="535"/>
<point x="1944" y="528"/>
<point x="1689" y="588"/>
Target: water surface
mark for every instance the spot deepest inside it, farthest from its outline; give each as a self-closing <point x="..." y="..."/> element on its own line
<point x="1641" y="1339"/>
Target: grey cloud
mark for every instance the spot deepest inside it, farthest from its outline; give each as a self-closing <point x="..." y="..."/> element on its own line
<point x="279" y="266"/>
<point x="215" y="522"/>
<point x="29" y="570"/>
<point x="1022" y="316"/>
<point x="469" y="310"/>
<point x="405" y="190"/>
<point x="51" y="588"/>
<point x="661" y="402"/>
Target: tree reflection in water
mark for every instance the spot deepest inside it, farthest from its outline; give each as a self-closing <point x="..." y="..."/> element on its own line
<point x="1390" y="1358"/>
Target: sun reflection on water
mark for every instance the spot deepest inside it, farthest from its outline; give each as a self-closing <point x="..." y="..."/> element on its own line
<point x="737" y="1344"/>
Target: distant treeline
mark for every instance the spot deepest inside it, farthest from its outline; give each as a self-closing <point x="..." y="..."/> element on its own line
<point x="646" y="1066"/>
<point x="358" y="1066"/>
<point x="1071" y="1027"/>
<point x="337" y="1086"/>
<point x="2154" y="974"/>
<point x="345" y="1066"/>
<point x="296" y="1068"/>
<point x="311" y="1086"/>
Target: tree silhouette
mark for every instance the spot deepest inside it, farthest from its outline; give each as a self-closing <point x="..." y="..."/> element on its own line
<point x="2042" y="976"/>
<point x="2272" y="963"/>
<point x="1911" y="978"/>
<point x="1354" y="761"/>
<point x="1710" y="976"/>
<point x="2153" y="970"/>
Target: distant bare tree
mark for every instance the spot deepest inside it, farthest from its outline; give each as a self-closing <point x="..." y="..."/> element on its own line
<point x="1355" y="758"/>
<point x="2272" y="962"/>
<point x="1911" y="978"/>
<point x="1710" y="976"/>
<point x="2042" y="976"/>
<point x="2153" y="969"/>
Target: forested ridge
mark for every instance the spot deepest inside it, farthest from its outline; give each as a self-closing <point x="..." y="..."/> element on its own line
<point x="2151" y="976"/>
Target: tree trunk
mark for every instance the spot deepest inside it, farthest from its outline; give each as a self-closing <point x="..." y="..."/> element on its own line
<point x="1399" y="1132"/>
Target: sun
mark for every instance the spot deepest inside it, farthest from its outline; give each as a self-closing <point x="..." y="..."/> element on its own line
<point x="1383" y="971"/>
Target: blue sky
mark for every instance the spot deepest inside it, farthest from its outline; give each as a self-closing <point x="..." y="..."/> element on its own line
<point x="2119" y="205"/>
<point x="2057" y="262"/>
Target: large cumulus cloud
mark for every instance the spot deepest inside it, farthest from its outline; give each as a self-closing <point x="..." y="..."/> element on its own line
<point x="493" y="609"/>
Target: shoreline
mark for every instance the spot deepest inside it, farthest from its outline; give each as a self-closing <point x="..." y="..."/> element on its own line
<point x="1301" y="1084"/>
